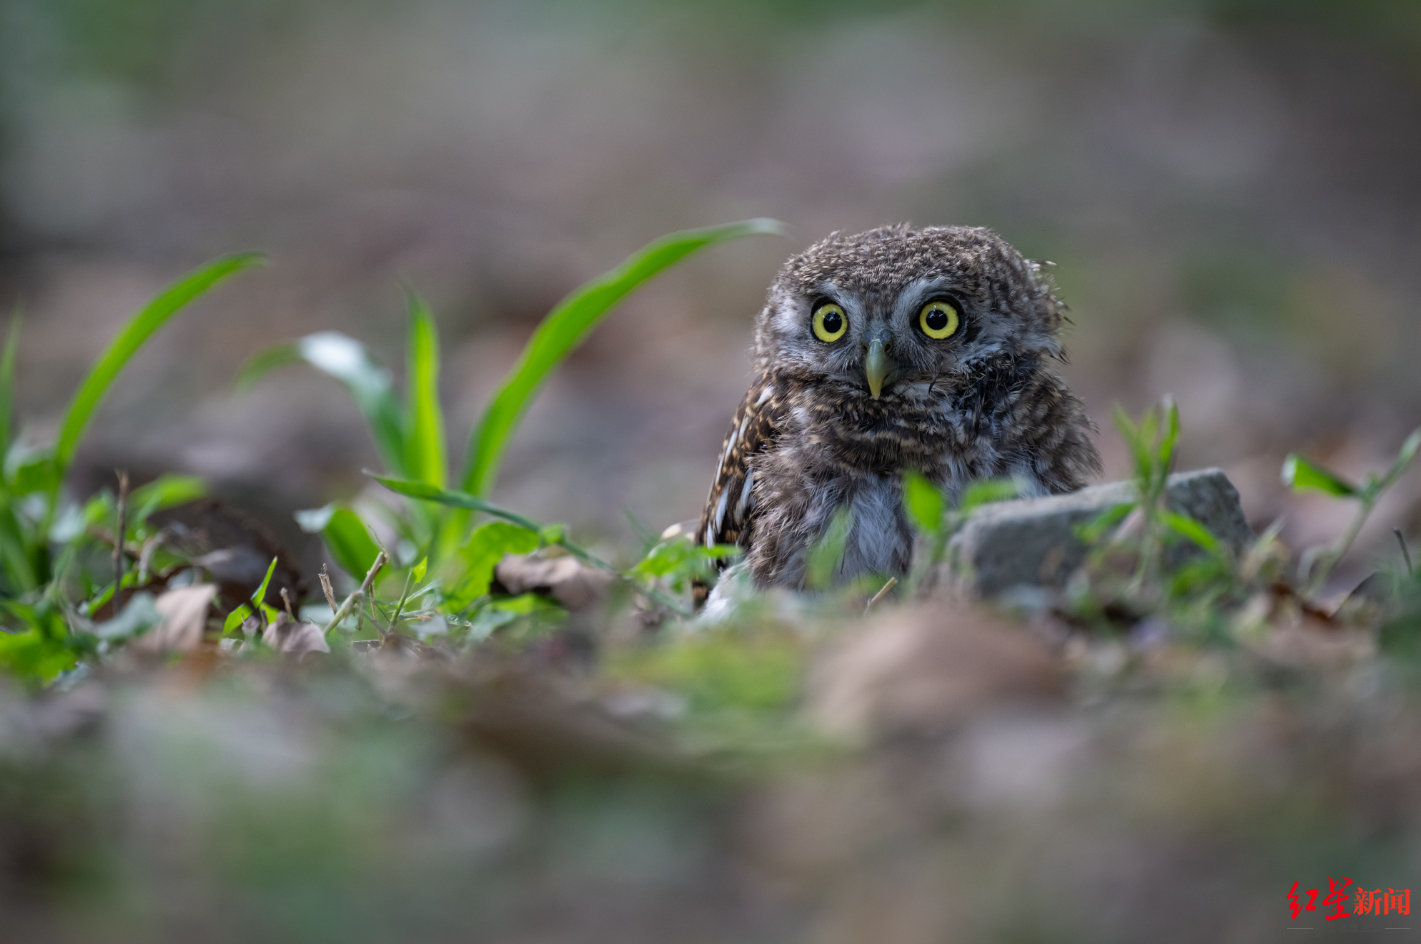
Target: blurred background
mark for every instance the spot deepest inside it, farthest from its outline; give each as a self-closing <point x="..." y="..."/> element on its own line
<point x="1229" y="189"/>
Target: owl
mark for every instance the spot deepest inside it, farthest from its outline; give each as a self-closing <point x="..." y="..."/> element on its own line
<point x="891" y="350"/>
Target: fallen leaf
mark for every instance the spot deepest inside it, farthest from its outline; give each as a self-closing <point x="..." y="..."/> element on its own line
<point x="295" y="640"/>
<point x="184" y="612"/>
<point x="566" y="579"/>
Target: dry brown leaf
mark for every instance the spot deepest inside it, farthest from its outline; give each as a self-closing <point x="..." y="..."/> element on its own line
<point x="566" y="579"/>
<point x="295" y="640"/>
<point x="928" y="668"/>
<point x="184" y="611"/>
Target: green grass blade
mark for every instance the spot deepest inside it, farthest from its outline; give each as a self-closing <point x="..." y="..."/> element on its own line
<point x="164" y="492"/>
<point x="1403" y="459"/>
<point x="7" y="383"/>
<point x="826" y="555"/>
<point x="14" y="553"/>
<point x="350" y="543"/>
<point x="1187" y="527"/>
<point x="260" y="596"/>
<point x="988" y="491"/>
<point x="263" y="363"/>
<point x="425" y="458"/>
<point x="565" y="327"/>
<point x="425" y="492"/>
<point x="477" y="559"/>
<point x="235" y="619"/>
<point x="132" y="337"/>
<point x="1303" y="475"/>
<point x="1171" y="436"/>
<point x="346" y="359"/>
<point x="923" y="501"/>
<point x="1136" y="439"/>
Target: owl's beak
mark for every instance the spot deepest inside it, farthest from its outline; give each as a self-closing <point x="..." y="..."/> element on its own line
<point x="876" y="366"/>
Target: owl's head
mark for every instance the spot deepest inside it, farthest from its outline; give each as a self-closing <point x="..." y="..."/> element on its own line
<point x="895" y="309"/>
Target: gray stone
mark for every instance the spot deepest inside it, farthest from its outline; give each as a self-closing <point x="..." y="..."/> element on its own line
<point x="1032" y="541"/>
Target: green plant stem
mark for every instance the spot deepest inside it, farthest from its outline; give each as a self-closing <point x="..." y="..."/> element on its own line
<point x="404" y="595"/>
<point x="1364" y="511"/>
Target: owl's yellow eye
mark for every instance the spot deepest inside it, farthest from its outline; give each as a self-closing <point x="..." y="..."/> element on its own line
<point x="939" y="320"/>
<point x="829" y="322"/>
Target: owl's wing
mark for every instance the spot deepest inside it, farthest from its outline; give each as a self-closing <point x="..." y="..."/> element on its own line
<point x="731" y="501"/>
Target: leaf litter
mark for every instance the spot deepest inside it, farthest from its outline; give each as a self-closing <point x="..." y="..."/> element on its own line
<point x="503" y="748"/>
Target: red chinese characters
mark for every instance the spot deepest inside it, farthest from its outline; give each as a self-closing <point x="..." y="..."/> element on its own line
<point x="1378" y="902"/>
<point x="1295" y="904"/>
<point x="1336" y="898"/>
<point x="1374" y="902"/>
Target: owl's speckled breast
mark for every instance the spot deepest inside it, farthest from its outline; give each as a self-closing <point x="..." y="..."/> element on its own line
<point x="880" y="541"/>
<point x="881" y="437"/>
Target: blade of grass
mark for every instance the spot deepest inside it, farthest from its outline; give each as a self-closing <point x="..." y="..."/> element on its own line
<point x="425" y="459"/>
<point x="988" y="491"/>
<point x="426" y="492"/>
<point x="165" y="492"/>
<point x="7" y="382"/>
<point x="923" y="501"/>
<point x="1403" y="459"/>
<point x="350" y="542"/>
<point x="14" y="554"/>
<point x="259" y="597"/>
<point x="565" y="327"/>
<point x="346" y="359"/>
<point x="132" y="337"/>
<point x="1301" y="474"/>
<point x="826" y="555"/>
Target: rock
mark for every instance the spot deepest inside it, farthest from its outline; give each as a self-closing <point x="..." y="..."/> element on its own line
<point x="1032" y="541"/>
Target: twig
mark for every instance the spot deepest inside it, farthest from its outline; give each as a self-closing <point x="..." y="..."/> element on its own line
<point x="326" y="589"/>
<point x="1405" y="554"/>
<point x="357" y="595"/>
<point x="118" y="559"/>
<point x="892" y="582"/>
<point x="145" y="557"/>
<point x="286" y="599"/>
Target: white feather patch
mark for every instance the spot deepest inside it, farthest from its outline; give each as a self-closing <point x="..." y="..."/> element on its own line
<point x="878" y="537"/>
<point x="744" y="424"/>
<point x="743" y="505"/>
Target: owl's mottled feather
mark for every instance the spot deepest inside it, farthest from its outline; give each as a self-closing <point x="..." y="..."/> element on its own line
<point x="809" y="438"/>
<point x="732" y="497"/>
